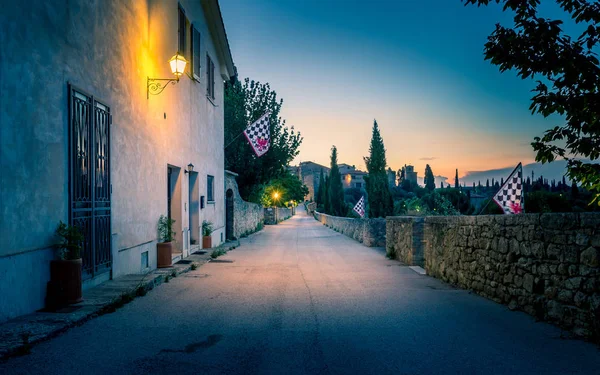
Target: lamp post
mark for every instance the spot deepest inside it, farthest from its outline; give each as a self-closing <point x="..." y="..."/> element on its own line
<point x="155" y="86"/>
<point x="190" y="168"/>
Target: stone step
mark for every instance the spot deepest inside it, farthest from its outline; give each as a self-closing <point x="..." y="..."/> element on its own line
<point x="176" y="257"/>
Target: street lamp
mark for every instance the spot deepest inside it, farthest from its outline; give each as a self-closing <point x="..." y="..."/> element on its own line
<point x="155" y="86"/>
<point x="190" y="168"/>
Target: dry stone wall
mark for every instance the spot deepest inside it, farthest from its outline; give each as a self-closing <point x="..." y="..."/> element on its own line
<point x="247" y="217"/>
<point x="544" y="264"/>
<point x="405" y="236"/>
<point x="370" y="232"/>
<point x="274" y="215"/>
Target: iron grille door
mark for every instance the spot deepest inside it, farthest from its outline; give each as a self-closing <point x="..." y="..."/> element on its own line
<point x="89" y="165"/>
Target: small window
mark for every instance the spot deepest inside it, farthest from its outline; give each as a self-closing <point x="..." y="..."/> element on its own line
<point x="358" y="185"/>
<point x="196" y="53"/>
<point x="210" y="77"/>
<point x="210" y="188"/>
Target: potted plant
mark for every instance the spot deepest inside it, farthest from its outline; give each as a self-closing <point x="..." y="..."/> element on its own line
<point x="207" y="229"/>
<point x="65" y="272"/>
<point x="166" y="237"/>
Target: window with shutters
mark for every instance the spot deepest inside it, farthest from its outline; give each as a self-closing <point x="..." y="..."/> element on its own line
<point x="195" y="53"/>
<point x="210" y="77"/>
<point x="184" y="43"/>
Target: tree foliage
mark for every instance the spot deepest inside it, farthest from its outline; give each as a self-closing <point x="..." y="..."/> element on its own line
<point x="429" y="179"/>
<point x="380" y="202"/>
<point x="245" y="103"/>
<point x="320" y="195"/>
<point x="456" y="183"/>
<point x="568" y="79"/>
<point x="337" y="207"/>
<point x="287" y="187"/>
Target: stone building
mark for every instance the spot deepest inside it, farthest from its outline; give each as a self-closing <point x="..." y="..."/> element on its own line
<point x="87" y="138"/>
<point x="411" y="175"/>
<point x="310" y="173"/>
<point x="391" y="175"/>
<point x="352" y="177"/>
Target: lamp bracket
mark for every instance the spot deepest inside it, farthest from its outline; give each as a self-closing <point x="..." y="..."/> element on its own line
<point x="155" y="86"/>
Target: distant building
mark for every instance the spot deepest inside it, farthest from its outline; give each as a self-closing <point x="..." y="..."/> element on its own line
<point x="410" y="174"/>
<point x="352" y="177"/>
<point x="391" y="175"/>
<point x="310" y="173"/>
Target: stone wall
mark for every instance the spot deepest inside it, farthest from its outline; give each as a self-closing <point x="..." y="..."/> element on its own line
<point x="274" y="215"/>
<point x="247" y="217"/>
<point x="544" y="264"/>
<point x="370" y="232"/>
<point x="406" y="239"/>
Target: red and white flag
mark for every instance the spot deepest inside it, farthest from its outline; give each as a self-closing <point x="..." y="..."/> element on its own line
<point x="510" y="196"/>
<point x="259" y="135"/>
<point x="360" y="207"/>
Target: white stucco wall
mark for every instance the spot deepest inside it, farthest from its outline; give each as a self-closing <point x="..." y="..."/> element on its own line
<point x="106" y="48"/>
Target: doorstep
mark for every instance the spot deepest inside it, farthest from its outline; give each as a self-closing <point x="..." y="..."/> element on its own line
<point x="19" y="334"/>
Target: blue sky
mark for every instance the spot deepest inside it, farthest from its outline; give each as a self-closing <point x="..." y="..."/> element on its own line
<point x="414" y="65"/>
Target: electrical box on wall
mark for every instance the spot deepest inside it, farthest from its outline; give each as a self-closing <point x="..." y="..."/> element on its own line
<point x="202" y="202"/>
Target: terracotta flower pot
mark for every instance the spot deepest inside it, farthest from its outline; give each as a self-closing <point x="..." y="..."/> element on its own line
<point x="164" y="254"/>
<point x="64" y="287"/>
<point x="206" y="242"/>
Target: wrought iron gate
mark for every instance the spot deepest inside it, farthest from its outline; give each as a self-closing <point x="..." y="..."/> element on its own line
<point x="89" y="179"/>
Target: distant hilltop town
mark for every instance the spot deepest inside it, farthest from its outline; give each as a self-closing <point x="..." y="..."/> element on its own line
<point x="310" y="174"/>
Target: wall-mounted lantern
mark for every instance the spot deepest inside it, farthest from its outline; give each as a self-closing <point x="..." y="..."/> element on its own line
<point x="190" y="168"/>
<point x="155" y="86"/>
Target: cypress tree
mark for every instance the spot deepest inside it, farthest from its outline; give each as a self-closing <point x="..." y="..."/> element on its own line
<point x="336" y="189"/>
<point x="429" y="179"/>
<point x="380" y="203"/>
<point x="320" y="198"/>
<point x="456" y="185"/>
<point x="326" y="201"/>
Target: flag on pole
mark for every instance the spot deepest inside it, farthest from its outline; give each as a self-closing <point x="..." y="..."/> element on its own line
<point x="259" y="135"/>
<point x="510" y="196"/>
<point x="360" y="207"/>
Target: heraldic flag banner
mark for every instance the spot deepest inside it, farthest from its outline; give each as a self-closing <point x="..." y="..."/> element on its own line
<point x="259" y="135"/>
<point x="360" y="207"/>
<point x="510" y="196"/>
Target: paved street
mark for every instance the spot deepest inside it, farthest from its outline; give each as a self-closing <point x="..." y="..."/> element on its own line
<point x="300" y="298"/>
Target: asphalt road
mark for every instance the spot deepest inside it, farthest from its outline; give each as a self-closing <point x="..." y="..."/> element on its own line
<point x="299" y="298"/>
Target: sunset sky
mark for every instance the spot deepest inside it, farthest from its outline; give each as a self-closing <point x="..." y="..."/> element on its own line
<point x="414" y="65"/>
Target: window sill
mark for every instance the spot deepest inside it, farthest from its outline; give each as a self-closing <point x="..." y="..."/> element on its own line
<point x="210" y="202"/>
<point x="212" y="101"/>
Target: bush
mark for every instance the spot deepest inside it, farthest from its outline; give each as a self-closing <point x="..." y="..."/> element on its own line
<point x="543" y="201"/>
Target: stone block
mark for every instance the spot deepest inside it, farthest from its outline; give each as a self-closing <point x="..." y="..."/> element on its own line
<point x="573" y="283"/>
<point x="565" y="296"/>
<point x="553" y="251"/>
<point x="581" y="299"/>
<point x="590" y="257"/>
<point x="582" y="239"/>
<point x="528" y="281"/>
<point x="550" y="292"/>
